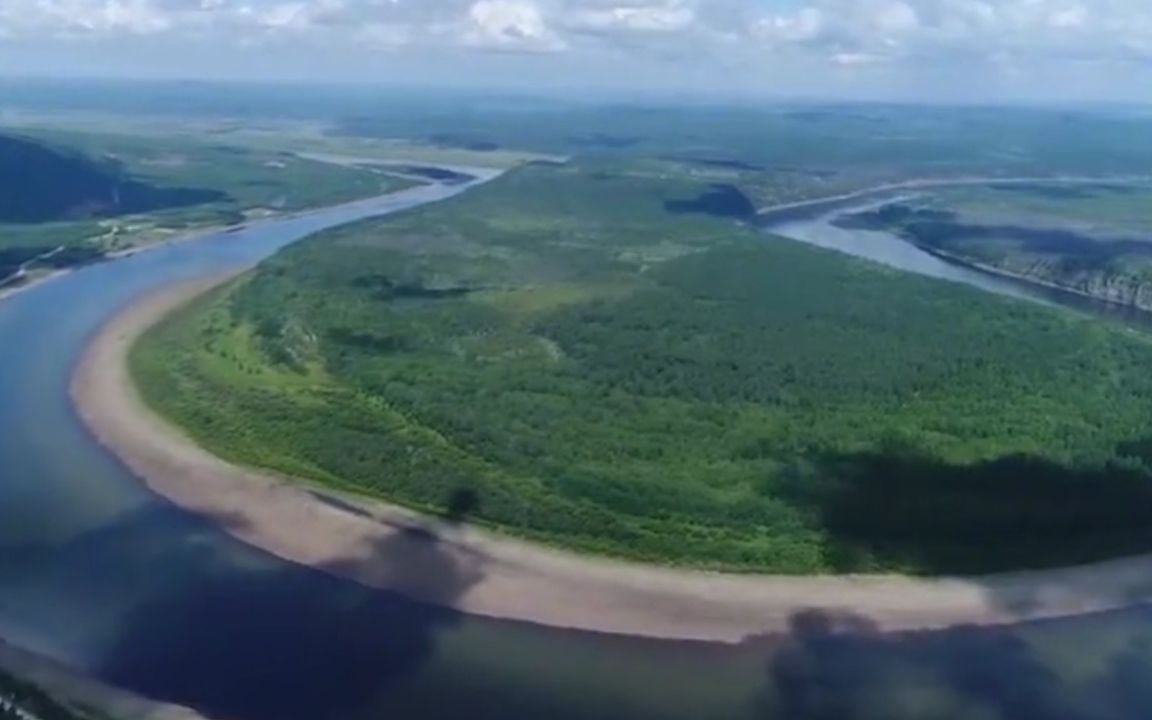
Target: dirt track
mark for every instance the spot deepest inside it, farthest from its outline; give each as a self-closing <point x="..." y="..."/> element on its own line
<point x="474" y="571"/>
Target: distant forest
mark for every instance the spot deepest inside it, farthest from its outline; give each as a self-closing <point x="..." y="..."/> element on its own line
<point x="42" y="183"/>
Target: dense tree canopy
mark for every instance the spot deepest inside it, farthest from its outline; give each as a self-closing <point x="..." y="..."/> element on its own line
<point x="609" y="363"/>
<point x="41" y="183"/>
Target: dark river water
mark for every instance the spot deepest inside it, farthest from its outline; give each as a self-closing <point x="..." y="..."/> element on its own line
<point x="100" y="574"/>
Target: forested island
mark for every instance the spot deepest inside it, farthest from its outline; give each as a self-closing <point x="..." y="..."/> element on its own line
<point x="1093" y="239"/>
<point x="608" y="359"/>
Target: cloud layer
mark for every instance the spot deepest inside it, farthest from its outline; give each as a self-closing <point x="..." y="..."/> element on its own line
<point x="848" y="34"/>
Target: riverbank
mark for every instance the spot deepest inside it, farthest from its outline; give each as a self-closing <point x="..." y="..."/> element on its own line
<point x="207" y="230"/>
<point x="196" y="234"/>
<point x="835" y="207"/>
<point x="961" y="261"/>
<point x="386" y="547"/>
<point x="12" y="290"/>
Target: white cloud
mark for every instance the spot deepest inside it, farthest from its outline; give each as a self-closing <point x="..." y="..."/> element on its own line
<point x="516" y="25"/>
<point x="804" y="25"/>
<point x="916" y="30"/>
<point x="667" y="16"/>
<point x="907" y="33"/>
<point x="896" y="17"/>
<point x="65" y="17"/>
<point x="855" y="58"/>
<point x="1069" y="17"/>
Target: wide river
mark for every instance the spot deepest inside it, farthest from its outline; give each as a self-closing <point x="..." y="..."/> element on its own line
<point x="100" y="574"/>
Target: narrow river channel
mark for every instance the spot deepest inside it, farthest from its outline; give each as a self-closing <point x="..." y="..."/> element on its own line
<point x="116" y="583"/>
<point x="817" y="226"/>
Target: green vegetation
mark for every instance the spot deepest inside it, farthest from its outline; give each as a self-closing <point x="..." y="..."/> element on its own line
<point x="279" y="133"/>
<point x="42" y="183"/>
<point x="776" y="153"/>
<point x="1091" y="238"/>
<point x="91" y="194"/>
<point x="248" y="177"/>
<point x="780" y="153"/>
<point x="611" y="362"/>
<point x="1113" y="206"/>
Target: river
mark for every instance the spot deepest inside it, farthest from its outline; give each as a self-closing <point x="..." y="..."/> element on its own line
<point x="815" y="225"/>
<point x="101" y="575"/>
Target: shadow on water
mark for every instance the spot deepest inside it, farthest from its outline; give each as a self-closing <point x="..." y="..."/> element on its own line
<point x="250" y="639"/>
<point x="838" y="666"/>
<point x="309" y="645"/>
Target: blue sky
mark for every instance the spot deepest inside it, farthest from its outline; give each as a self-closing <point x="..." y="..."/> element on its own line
<point x="907" y="49"/>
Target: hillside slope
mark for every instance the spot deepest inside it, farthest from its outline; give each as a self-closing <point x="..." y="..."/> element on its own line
<point x="41" y="183"/>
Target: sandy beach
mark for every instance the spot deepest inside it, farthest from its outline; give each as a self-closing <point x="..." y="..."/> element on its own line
<point x="479" y="572"/>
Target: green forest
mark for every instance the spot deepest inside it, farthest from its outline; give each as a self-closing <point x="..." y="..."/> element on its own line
<point x="611" y="360"/>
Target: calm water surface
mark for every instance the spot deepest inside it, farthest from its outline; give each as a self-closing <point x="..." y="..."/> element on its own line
<point x="100" y="574"/>
<point x="816" y="226"/>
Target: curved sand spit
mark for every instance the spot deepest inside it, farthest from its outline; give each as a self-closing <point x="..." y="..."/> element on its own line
<point x="474" y="571"/>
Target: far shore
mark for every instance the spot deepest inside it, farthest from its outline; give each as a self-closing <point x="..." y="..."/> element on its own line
<point x="1027" y="279"/>
<point x="944" y="182"/>
<point x="479" y="572"/>
<point x="762" y="213"/>
<point x="189" y="235"/>
<point x="175" y="239"/>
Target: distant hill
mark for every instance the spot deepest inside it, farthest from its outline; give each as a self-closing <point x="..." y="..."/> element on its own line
<point x="43" y="183"/>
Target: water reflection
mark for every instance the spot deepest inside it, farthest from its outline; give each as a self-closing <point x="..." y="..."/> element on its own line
<point x="841" y="668"/>
<point x="276" y="641"/>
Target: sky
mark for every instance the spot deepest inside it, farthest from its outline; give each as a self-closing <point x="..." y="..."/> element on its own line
<point x="963" y="50"/>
